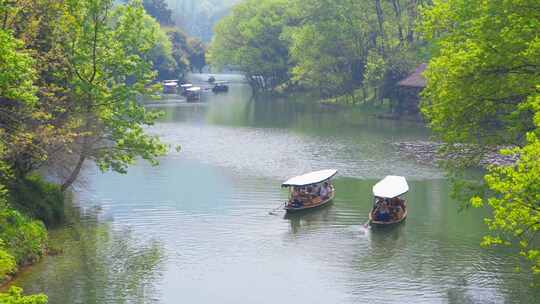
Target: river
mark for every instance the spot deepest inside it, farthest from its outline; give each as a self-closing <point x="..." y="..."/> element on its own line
<point x="197" y="228"/>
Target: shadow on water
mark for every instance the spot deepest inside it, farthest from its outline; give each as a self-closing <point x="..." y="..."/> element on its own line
<point x="99" y="264"/>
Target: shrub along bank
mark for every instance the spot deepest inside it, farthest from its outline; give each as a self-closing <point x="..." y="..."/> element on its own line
<point x="23" y="240"/>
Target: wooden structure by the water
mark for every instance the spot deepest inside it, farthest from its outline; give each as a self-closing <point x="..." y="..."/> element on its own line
<point x="389" y="208"/>
<point x="301" y="198"/>
<point x="410" y="89"/>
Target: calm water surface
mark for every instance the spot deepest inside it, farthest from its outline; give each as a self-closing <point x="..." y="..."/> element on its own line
<point x="197" y="229"/>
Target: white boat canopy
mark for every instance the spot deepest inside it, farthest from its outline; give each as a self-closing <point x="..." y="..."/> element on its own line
<point x="310" y="178"/>
<point x="390" y="187"/>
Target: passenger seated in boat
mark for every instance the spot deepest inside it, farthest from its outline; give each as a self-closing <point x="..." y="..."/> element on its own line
<point x="383" y="212"/>
<point x="317" y="190"/>
<point x="296" y="203"/>
<point x="324" y="191"/>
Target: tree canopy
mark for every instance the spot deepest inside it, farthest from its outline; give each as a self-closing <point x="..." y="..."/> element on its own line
<point x="250" y="40"/>
<point x="486" y="67"/>
<point x="483" y="89"/>
<point x="335" y="47"/>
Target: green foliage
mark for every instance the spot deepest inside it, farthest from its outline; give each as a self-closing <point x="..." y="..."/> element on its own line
<point x="515" y="197"/>
<point x="17" y="74"/>
<point x="159" y="10"/>
<point x="335" y="47"/>
<point x="24" y="239"/>
<point x="484" y="71"/>
<point x="7" y="262"/>
<point x="38" y="198"/>
<point x="111" y="59"/>
<point x="161" y="54"/>
<point x="482" y="88"/>
<point x="249" y="39"/>
<point x="15" y="296"/>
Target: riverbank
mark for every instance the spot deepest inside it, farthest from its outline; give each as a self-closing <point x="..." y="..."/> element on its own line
<point x="27" y="207"/>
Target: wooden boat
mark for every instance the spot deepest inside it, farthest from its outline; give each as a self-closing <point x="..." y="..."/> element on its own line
<point x="170" y="86"/>
<point x="184" y="87"/>
<point x="309" y="191"/>
<point x="220" y="86"/>
<point x="193" y="94"/>
<point x="389" y="208"/>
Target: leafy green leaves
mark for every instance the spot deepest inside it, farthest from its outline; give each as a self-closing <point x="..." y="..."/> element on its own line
<point x="250" y="40"/>
<point x="515" y="202"/>
<point x="482" y="88"/>
<point x="486" y="68"/>
<point x="17" y="74"/>
<point x="15" y="296"/>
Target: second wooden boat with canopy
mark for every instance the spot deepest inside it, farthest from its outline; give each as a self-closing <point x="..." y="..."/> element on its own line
<point x="310" y="190"/>
<point x="389" y="208"/>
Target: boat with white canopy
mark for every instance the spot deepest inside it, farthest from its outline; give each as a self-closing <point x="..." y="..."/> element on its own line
<point x="170" y="86"/>
<point x="184" y="87"/>
<point x="389" y="207"/>
<point x="310" y="190"/>
<point x="193" y="94"/>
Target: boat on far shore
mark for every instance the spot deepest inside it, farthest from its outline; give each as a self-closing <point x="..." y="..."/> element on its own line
<point x="388" y="207"/>
<point x="220" y="86"/>
<point x="170" y="86"/>
<point x="193" y="94"/>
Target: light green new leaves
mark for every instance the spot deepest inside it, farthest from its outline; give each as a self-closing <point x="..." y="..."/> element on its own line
<point x="113" y="56"/>
<point x="487" y="65"/>
<point x="16" y="72"/>
<point x="516" y="211"/>
<point x="482" y="88"/>
<point x="15" y="296"/>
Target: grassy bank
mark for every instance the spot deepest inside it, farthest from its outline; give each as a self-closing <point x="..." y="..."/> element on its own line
<point x="25" y="207"/>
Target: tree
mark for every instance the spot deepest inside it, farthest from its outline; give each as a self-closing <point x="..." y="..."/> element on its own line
<point x="197" y="58"/>
<point x="159" y="10"/>
<point x="329" y="47"/>
<point x="17" y="74"/>
<point x="250" y="40"/>
<point x="109" y="57"/>
<point x="486" y="67"/>
<point x="482" y="89"/>
<point x="514" y="197"/>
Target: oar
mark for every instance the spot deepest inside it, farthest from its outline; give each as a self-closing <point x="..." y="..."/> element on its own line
<point x="366" y="225"/>
<point x="275" y="209"/>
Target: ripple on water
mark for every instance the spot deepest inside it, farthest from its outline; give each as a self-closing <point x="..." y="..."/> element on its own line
<point x="279" y="153"/>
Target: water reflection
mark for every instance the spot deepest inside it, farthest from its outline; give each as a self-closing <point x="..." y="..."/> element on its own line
<point x="99" y="264"/>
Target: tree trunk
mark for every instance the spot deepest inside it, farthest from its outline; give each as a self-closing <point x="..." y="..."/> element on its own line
<point x="380" y="19"/>
<point x="73" y="176"/>
<point x="397" y="11"/>
<point x="413" y="13"/>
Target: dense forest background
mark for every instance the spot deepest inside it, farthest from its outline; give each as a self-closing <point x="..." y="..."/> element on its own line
<point x="356" y="49"/>
<point x="198" y="17"/>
